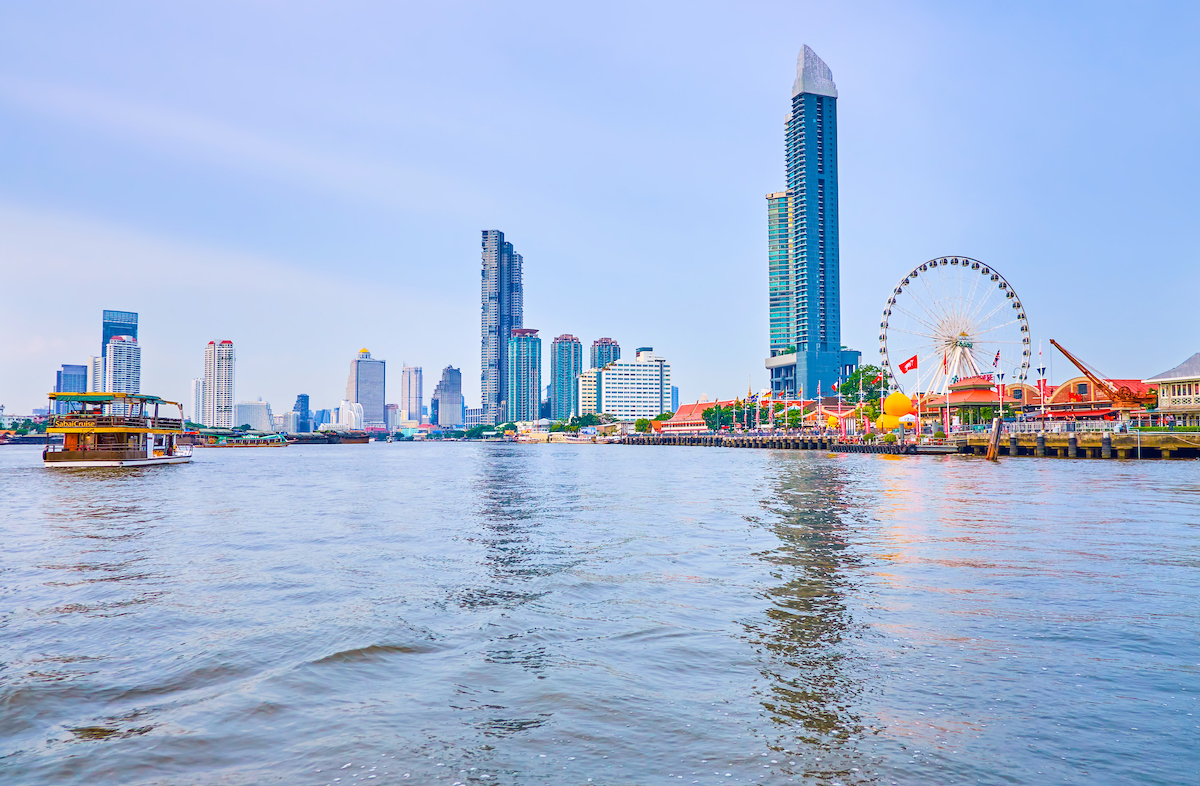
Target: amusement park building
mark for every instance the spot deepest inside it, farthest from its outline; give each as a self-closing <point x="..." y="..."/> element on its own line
<point x="802" y="237"/>
<point x="1179" y="391"/>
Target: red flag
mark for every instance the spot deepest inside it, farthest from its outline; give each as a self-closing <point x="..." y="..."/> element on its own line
<point x="834" y="388"/>
<point x="908" y="365"/>
<point x="878" y="378"/>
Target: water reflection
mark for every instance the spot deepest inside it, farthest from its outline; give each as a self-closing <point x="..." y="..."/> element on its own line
<point x="812" y="683"/>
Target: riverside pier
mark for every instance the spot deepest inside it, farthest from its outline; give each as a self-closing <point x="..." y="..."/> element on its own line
<point x="1080" y="445"/>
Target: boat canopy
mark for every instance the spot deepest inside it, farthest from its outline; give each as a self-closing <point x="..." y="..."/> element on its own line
<point x="104" y="398"/>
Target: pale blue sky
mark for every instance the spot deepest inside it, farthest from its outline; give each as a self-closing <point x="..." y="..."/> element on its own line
<point x="307" y="179"/>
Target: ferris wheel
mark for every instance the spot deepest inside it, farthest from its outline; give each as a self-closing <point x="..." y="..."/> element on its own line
<point x="958" y="318"/>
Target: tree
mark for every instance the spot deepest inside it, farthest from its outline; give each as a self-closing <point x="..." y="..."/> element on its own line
<point x="664" y="416"/>
<point x="794" y="418"/>
<point x="641" y="425"/>
<point x="871" y="389"/>
<point x="716" y="417"/>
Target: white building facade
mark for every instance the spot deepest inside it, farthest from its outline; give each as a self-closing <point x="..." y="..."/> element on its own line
<point x="412" y="393"/>
<point x="123" y="366"/>
<point x="256" y="415"/>
<point x="196" y="414"/>
<point x="218" y="385"/>
<point x="628" y="389"/>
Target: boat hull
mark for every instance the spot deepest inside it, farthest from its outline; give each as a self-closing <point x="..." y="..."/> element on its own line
<point x="132" y="462"/>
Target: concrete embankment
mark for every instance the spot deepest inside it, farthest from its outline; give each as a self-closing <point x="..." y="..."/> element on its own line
<point x="1082" y="445"/>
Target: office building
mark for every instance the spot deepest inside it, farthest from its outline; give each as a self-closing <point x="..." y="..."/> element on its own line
<point x="219" y="360"/>
<point x="524" y="367"/>
<point x="351" y="415"/>
<point x="412" y="393"/>
<point x="802" y="240"/>
<point x="628" y="389"/>
<point x="446" y="405"/>
<point x="123" y="365"/>
<point x="117" y="323"/>
<point x="197" y="411"/>
<point x="473" y="417"/>
<point x="365" y="386"/>
<point x="322" y="417"/>
<point x="255" y="414"/>
<point x="588" y="388"/>
<point x="566" y="364"/>
<point x="674" y="398"/>
<point x="291" y="422"/>
<point x="605" y="351"/>
<point x="69" y="379"/>
<point x="502" y="296"/>
<point x="303" y="415"/>
<point x="391" y="417"/>
<point x="95" y="374"/>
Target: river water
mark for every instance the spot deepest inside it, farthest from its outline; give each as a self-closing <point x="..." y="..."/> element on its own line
<point x="574" y="614"/>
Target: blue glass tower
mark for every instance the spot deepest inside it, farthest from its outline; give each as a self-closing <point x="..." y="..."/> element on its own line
<point x="802" y="230"/>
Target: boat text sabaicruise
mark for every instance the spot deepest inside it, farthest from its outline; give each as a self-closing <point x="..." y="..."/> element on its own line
<point x="114" y="430"/>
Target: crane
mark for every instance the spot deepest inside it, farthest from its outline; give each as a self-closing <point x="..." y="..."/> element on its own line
<point x="1122" y="397"/>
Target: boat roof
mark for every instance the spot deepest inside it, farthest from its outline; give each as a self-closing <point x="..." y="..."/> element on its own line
<point x="102" y="398"/>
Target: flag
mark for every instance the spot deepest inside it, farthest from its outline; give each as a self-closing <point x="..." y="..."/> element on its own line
<point x="908" y="365"/>
<point x="834" y="388"/>
<point x="996" y="362"/>
<point x="878" y="378"/>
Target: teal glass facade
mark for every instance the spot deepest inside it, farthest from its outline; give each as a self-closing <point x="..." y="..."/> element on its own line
<point x="524" y="369"/>
<point x="566" y="364"/>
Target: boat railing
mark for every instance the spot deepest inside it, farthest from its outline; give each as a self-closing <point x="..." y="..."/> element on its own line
<point x="114" y="421"/>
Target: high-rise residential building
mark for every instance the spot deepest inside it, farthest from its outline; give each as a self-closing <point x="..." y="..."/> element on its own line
<point x="123" y="365"/>
<point x="566" y="364"/>
<point x="674" y="398"/>
<point x="117" y="323"/>
<point x="412" y="393"/>
<point x="473" y="417"/>
<point x="391" y="416"/>
<point x="197" y="411"/>
<point x="255" y="414"/>
<point x="365" y="386"/>
<point x="605" y="351"/>
<point x="524" y="367"/>
<point x="69" y="379"/>
<point x="446" y="405"/>
<point x="802" y="239"/>
<point x="219" y="361"/>
<point x="303" y="414"/>
<point x="95" y="374"/>
<point x="628" y="389"/>
<point x="503" y="308"/>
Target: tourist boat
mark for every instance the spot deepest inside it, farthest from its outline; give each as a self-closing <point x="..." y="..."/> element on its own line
<point x="114" y="430"/>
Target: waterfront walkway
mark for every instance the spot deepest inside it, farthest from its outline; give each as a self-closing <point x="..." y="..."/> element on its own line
<point x="1082" y="445"/>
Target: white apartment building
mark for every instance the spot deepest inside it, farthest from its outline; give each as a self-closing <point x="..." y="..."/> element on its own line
<point x="639" y="387"/>
<point x="255" y="414"/>
<point x="197" y="411"/>
<point x="218" y="385"/>
<point x="95" y="374"/>
<point x="123" y="366"/>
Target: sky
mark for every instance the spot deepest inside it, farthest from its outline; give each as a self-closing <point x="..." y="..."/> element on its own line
<point x="308" y="179"/>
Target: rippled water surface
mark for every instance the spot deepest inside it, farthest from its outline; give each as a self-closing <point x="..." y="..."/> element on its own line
<point x="499" y="614"/>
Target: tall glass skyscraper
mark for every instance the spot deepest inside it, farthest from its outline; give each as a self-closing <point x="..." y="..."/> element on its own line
<point x="366" y="385"/>
<point x="503" y="308"/>
<point x="117" y="323"/>
<point x="802" y="237"/>
<point x="566" y="364"/>
<point x="604" y="351"/>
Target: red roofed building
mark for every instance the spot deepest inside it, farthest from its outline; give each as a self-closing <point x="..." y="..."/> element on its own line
<point x="689" y="418"/>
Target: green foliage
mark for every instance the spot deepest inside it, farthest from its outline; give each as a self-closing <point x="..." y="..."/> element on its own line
<point x="243" y="427"/>
<point x="476" y="432"/>
<point x="939" y="434"/>
<point x="664" y="416"/>
<point x="788" y="350"/>
<point x="869" y="437"/>
<point x="716" y="417"/>
<point x="889" y="439"/>
<point x="794" y="418"/>
<point x="641" y="425"/>
<point x="871" y="388"/>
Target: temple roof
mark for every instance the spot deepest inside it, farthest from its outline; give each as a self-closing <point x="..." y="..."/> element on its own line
<point x="812" y="75"/>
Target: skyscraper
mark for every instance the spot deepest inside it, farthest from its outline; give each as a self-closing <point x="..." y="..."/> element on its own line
<point x="566" y="364"/>
<point x="366" y="386"/>
<point x="524" y="368"/>
<point x="303" y="414"/>
<point x="412" y="393"/>
<point x="446" y="405"/>
<point x="197" y="413"/>
<point x="219" y="362"/>
<point x="502" y="297"/>
<point x="69" y="379"/>
<point x="674" y="398"/>
<point x="802" y="236"/>
<point x="122" y="369"/>
<point x="95" y="373"/>
<point x="116" y="323"/>
<point x="605" y="351"/>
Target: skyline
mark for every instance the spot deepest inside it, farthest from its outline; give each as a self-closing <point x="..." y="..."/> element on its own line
<point x="178" y="177"/>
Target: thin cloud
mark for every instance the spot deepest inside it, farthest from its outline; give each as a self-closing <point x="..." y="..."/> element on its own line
<point x="384" y="183"/>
